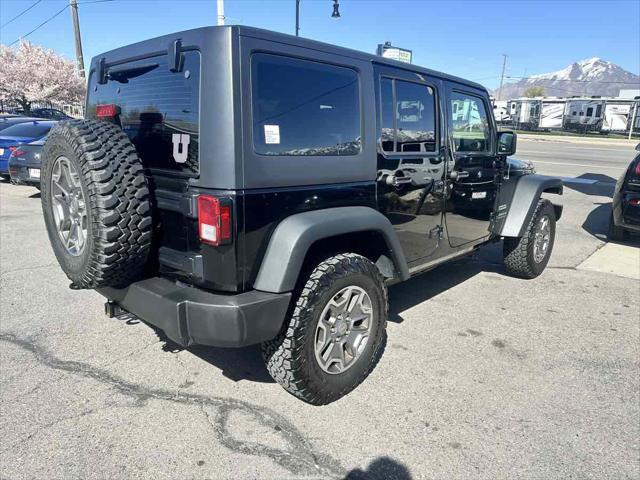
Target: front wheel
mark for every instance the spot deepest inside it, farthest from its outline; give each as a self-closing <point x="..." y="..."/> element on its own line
<point x="527" y="256"/>
<point x="335" y="334"/>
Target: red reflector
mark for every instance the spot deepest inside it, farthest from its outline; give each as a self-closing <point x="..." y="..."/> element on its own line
<point x="106" y="110"/>
<point x="214" y="220"/>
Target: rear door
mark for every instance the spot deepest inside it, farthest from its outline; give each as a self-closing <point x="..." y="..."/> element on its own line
<point x="471" y="183"/>
<point x="158" y="107"/>
<point x="411" y="162"/>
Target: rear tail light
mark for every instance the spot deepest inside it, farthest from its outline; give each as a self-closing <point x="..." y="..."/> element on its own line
<point x="634" y="202"/>
<point x="214" y="220"/>
<point x="637" y="171"/>
<point x="16" y="152"/>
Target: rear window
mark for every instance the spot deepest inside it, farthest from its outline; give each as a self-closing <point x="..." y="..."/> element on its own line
<point x="31" y="130"/>
<point x="304" y="108"/>
<point x="159" y="109"/>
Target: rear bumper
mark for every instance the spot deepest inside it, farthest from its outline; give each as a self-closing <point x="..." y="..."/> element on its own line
<point x="20" y="175"/>
<point x="191" y="316"/>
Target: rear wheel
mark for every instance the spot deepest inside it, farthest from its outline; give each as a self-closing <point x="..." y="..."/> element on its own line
<point x="96" y="204"/>
<point x="527" y="256"/>
<point x="335" y="333"/>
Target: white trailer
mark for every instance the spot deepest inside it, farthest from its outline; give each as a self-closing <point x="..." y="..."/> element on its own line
<point x="537" y="113"/>
<point x="584" y="114"/>
<point x="501" y="111"/>
<point x="551" y="113"/>
<point x="524" y="112"/>
<point x="617" y="115"/>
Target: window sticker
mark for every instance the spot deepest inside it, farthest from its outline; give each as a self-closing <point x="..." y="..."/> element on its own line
<point x="272" y="134"/>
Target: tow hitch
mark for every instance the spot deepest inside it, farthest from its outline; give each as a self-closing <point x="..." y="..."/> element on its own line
<point x="112" y="309"/>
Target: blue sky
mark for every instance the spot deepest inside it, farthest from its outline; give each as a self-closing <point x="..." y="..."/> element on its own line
<point x="465" y="38"/>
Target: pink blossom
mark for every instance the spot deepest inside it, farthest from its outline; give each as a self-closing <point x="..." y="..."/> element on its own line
<point x="31" y="73"/>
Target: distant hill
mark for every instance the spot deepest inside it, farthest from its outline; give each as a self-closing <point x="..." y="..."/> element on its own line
<point x="593" y="76"/>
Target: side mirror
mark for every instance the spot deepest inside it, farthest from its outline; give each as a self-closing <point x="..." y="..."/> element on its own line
<point x="507" y="143"/>
<point x="638" y="147"/>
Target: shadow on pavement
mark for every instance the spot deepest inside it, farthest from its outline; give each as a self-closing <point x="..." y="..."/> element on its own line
<point x="235" y="363"/>
<point x="594" y="184"/>
<point x="382" y="468"/>
<point x="597" y="222"/>
<point x="434" y="282"/>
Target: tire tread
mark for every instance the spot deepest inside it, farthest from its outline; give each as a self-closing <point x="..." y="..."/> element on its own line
<point x="119" y="199"/>
<point x="285" y="356"/>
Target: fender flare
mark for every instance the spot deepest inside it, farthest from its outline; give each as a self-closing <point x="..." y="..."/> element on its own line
<point x="522" y="199"/>
<point x="293" y="237"/>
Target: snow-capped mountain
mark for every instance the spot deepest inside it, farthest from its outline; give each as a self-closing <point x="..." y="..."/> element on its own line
<point x="593" y="76"/>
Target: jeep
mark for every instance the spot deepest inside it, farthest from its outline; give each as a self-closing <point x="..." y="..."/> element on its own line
<point x="234" y="186"/>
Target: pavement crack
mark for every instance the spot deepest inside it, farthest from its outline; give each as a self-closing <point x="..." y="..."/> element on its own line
<point x="46" y="427"/>
<point x="22" y="269"/>
<point x="299" y="457"/>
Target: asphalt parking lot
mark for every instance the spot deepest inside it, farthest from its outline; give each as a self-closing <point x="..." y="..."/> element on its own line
<point x="484" y="376"/>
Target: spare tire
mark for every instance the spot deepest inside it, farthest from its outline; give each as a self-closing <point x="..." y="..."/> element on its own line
<point x="96" y="204"/>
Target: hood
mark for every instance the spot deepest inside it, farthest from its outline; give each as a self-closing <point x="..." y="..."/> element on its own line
<point x="516" y="165"/>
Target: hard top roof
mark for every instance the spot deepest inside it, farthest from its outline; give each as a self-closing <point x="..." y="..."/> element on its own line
<point x="201" y="33"/>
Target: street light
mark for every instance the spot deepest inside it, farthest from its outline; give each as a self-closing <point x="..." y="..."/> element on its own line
<point x="335" y="14"/>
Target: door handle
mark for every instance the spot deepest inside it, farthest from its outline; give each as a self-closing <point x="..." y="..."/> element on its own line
<point x="396" y="181"/>
<point x="458" y="175"/>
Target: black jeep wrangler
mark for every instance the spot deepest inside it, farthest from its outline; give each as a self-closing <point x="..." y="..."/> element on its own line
<point x="234" y="186"/>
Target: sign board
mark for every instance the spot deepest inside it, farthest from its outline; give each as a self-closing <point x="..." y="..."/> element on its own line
<point x="394" y="53"/>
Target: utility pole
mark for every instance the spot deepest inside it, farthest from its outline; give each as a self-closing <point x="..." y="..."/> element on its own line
<point x="76" y="28"/>
<point x="297" y="18"/>
<point x="504" y="65"/>
<point x="221" y="12"/>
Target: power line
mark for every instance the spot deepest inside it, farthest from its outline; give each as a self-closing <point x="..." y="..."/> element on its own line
<point x="40" y="26"/>
<point x="21" y="13"/>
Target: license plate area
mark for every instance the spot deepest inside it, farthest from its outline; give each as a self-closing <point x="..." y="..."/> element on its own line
<point x="34" y="172"/>
<point x="478" y="195"/>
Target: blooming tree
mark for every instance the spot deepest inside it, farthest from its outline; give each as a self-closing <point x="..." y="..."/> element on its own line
<point x="31" y="73"/>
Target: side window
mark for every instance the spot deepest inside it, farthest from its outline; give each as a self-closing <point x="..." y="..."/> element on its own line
<point x="408" y="118"/>
<point x="416" y="118"/>
<point x="598" y="110"/>
<point x="302" y="107"/>
<point x="590" y="112"/>
<point x="470" y="126"/>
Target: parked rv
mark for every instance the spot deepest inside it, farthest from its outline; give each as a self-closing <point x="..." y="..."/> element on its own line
<point x="617" y="115"/>
<point x="537" y="113"/>
<point x="584" y="114"/>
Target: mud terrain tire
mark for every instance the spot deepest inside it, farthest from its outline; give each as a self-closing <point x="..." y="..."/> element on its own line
<point x="291" y="357"/>
<point x="99" y="192"/>
<point x="520" y="254"/>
